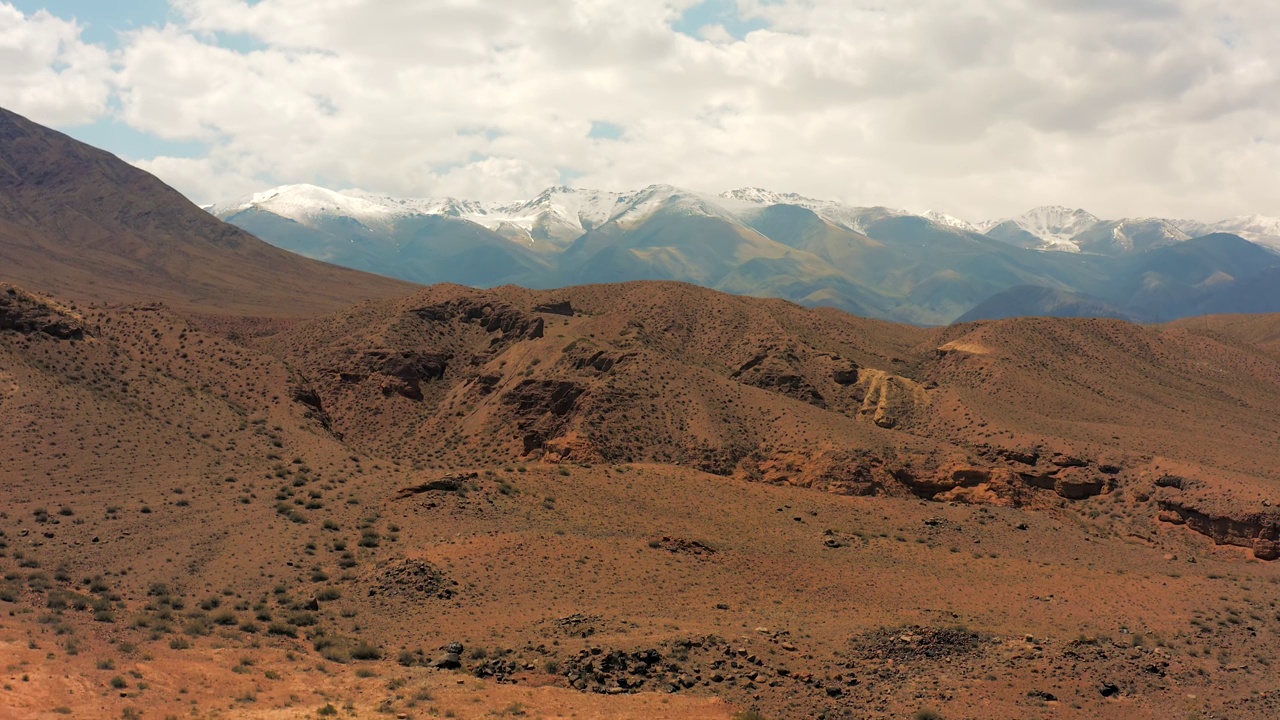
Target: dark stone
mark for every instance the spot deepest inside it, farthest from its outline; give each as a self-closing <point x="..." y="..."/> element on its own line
<point x="562" y="307"/>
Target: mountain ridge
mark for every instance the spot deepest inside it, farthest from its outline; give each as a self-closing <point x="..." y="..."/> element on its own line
<point x="882" y="262"/>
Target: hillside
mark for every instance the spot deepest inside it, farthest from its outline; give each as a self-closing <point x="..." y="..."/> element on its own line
<point x="609" y="495"/>
<point x="83" y="224"/>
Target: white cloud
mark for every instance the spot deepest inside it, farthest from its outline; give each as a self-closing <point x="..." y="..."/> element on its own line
<point x="980" y="109"/>
<point x="47" y="72"/>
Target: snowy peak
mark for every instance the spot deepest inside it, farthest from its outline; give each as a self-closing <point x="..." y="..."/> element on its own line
<point x="761" y="197"/>
<point x="307" y="204"/>
<point x="1056" y="221"/>
<point x="1049" y="227"/>
<point x="1130" y="235"/>
<point x="302" y="202"/>
<point x="638" y="206"/>
<point x="1256" y="224"/>
<point x="946" y="220"/>
<point x="582" y="208"/>
<point x="849" y="217"/>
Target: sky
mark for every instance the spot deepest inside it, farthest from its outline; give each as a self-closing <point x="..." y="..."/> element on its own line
<point x="977" y="108"/>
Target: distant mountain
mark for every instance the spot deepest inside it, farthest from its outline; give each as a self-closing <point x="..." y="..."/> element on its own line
<point x="1122" y="237"/>
<point x="1051" y="227"/>
<point x="1218" y="273"/>
<point x="942" y="218"/>
<point x="81" y="223"/>
<point x="1258" y="229"/>
<point x="1035" y="301"/>
<point x="881" y="262"/>
<point x="1178" y="280"/>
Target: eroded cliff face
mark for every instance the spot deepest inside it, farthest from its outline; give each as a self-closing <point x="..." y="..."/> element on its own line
<point x="1258" y="531"/>
<point x="996" y="476"/>
<point x="28" y="314"/>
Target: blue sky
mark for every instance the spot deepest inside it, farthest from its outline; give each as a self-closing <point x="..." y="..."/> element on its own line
<point x="718" y="12"/>
<point x="103" y="20"/>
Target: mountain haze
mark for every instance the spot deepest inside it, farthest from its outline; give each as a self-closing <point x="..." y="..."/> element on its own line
<point x="879" y="262"/>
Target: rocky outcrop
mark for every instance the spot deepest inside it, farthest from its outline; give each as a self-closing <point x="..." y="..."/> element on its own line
<point x="24" y="313"/>
<point x="452" y="482"/>
<point x="405" y="372"/>
<point x="1071" y="477"/>
<point x="411" y="580"/>
<point x="964" y="483"/>
<point x="306" y="395"/>
<point x="1258" y="531"/>
<point x="399" y="373"/>
<point x="840" y="472"/>
<point x="584" y="356"/>
<point x="889" y="400"/>
<point x="561" y="307"/>
<point x="777" y="371"/>
<point x="615" y="672"/>
<point x="845" y="376"/>
<point x="681" y="546"/>
<point x="542" y="408"/>
<point x="1078" y="486"/>
<point x="981" y="480"/>
<point x="492" y="316"/>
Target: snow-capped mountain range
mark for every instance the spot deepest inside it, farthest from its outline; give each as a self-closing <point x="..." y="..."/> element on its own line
<point x="926" y="268"/>
<point x="558" y="215"/>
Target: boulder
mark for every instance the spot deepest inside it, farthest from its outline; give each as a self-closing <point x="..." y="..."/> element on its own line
<point x="448" y="661"/>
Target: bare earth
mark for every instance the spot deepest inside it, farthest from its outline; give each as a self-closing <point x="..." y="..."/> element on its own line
<point x="640" y="500"/>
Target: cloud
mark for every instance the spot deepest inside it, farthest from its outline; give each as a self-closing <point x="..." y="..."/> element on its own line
<point x="979" y="109"/>
<point x="47" y="72"/>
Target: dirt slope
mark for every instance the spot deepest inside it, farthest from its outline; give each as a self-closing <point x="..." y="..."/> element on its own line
<point x="640" y="500"/>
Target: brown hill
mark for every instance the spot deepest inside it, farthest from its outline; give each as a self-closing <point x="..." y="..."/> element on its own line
<point x="288" y="517"/>
<point x="79" y="222"/>
<point x="1249" y="333"/>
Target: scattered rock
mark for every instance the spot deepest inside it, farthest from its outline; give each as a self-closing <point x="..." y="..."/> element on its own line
<point x="916" y="643"/>
<point x="449" y="483"/>
<point x="682" y="546"/>
<point x="412" y="580"/>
